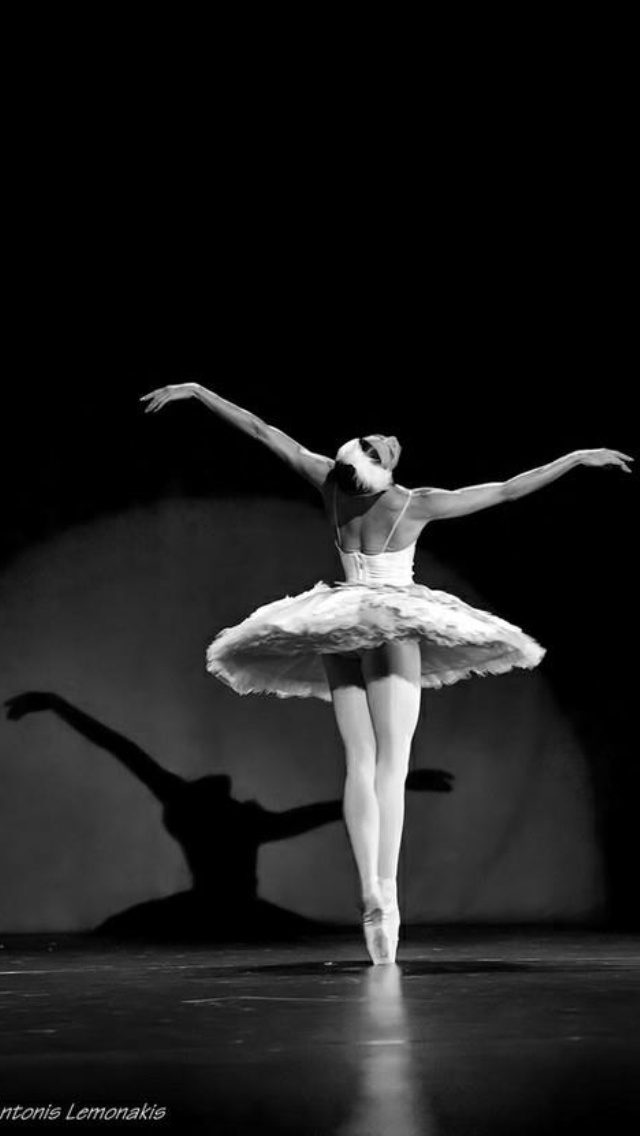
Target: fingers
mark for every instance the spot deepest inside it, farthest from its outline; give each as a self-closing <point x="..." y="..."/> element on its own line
<point x="613" y="458"/>
<point x="619" y="454"/>
<point x="616" y="463"/>
<point x="156" y="405"/>
<point x="14" y="709"/>
<point x="620" y="459"/>
<point x="153" y="394"/>
<point x="156" y="399"/>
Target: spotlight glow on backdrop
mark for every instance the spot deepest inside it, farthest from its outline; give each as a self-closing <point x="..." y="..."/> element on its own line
<point x="116" y="615"/>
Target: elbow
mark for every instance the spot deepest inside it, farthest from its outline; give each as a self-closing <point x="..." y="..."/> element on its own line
<point x="508" y="491"/>
<point x="258" y="429"/>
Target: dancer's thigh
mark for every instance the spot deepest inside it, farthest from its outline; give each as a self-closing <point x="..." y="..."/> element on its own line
<point x="392" y="678"/>
<point x="350" y="704"/>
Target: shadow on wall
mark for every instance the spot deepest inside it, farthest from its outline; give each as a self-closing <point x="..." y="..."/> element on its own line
<point x="116" y="615"/>
<point x="219" y="837"/>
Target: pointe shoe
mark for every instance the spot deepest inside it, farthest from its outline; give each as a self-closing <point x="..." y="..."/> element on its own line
<point x="391" y="914"/>
<point x="376" y="934"/>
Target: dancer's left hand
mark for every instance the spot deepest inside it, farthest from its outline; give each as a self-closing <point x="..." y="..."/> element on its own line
<point x="160" y="397"/>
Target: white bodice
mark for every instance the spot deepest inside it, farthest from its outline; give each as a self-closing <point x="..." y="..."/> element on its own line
<point x="379" y="568"/>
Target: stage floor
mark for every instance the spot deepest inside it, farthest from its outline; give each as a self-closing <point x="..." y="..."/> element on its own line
<point x="506" y="1032"/>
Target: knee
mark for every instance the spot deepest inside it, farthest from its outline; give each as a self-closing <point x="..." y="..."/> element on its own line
<point x="393" y="759"/>
<point x="361" y="762"/>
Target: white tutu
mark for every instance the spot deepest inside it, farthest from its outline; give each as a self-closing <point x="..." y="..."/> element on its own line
<point x="278" y="649"/>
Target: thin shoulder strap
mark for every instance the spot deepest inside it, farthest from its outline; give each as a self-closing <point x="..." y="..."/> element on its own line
<point x="397" y="521"/>
<point x="335" y="515"/>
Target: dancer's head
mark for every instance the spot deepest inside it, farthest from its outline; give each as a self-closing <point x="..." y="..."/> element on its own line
<point x="365" y="465"/>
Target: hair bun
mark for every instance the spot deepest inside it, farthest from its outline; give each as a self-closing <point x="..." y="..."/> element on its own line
<point x="370" y="473"/>
<point x="388" y="449"/>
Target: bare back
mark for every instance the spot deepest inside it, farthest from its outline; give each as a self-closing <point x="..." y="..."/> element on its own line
<point x="364" y="522"/>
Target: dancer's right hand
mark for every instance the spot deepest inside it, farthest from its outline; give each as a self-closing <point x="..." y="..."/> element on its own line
<point x="29" y="702"/>
<point x="158" y="398"/>
<point x="604" y="457"/>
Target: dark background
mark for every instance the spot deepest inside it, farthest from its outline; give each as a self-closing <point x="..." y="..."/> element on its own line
<point x="451" y="266"/>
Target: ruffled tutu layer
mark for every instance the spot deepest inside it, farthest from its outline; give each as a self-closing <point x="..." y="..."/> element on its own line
<point x="278" y="649"/>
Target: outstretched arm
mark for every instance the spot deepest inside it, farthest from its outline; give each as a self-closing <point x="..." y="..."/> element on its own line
<point x="314" y="467"/>
<point x="436" y="504"/>
<point x="160" y="781"/>
<point x="292" y="822"/>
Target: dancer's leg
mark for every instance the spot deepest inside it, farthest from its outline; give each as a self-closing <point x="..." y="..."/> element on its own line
<point x="361" y="811"/>
<point x="392" y="676"/>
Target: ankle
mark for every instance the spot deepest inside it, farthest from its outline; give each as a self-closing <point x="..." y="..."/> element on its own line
<point x="371" y="895"/>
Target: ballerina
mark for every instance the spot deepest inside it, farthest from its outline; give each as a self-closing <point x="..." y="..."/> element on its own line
<point x="370" y="643"/>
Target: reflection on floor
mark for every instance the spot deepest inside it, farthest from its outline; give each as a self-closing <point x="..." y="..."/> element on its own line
<point x="476" y="1031"/>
